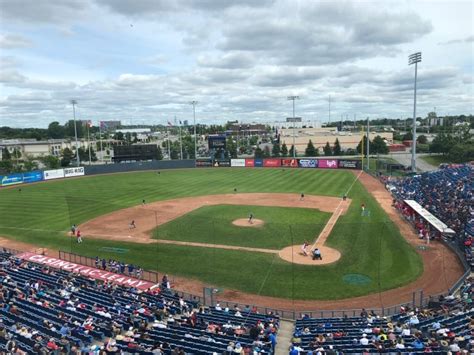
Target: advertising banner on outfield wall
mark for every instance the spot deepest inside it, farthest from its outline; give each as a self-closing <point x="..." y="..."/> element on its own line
<point x="203" y="163"/>
<point x="349" y="164"/>
<point x="225" y="163"/>
<point x="258" y="163"/>
<point x="13" y="179"/>
<point x="53" y="174"/>
<point x="289" y="163"/>
<point x="271" y="163"/>
<point x="327" y="163"/>
<point x="32" y="176"/>
<point x="70" y="172"/>
<point x="237" y="162"/>
<point x="308" y="163"/>
<point x="249" y="163"/>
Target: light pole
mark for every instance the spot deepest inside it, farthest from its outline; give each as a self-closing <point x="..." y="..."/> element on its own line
<point x="194" y="103"/>
<point x="293" y="98"/>
<point x="414" y="59"/>
<point x="74" y="103"/>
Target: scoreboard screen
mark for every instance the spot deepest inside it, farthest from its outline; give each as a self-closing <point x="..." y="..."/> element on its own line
<point x="216" y="142"/>
<point x="135" y="152"/>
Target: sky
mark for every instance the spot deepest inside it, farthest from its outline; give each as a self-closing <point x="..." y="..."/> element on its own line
<point x="144" y="61"/>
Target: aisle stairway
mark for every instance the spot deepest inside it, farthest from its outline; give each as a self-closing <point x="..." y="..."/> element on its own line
<point x="285" y="333"/>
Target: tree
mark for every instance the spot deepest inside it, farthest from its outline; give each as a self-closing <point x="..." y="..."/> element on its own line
<point x="119" y="136"/>
<point x="378" y="146"/>
<point x="461" y="153"/>
<point x="69" y="129"/>
<point x="258" y="153"/>
<point x="50" y="161"/>
<point x="337" y="148"/>
<point x="407" y="136"/>
<point x="6" y="156"/>
<point x="56" y="130"/>
<point x="292" y="149"/>
<point x="66" y="157"/>
<point x="327" y="149"/>
<point x="276" y="150"/>
<point x="266" y="152"/>
<point x="310" y="151"/>
<point x="231" y="147"/>
<point x="422" y="139"/>
<point x="6" y="166"/>
<point x="359" y="146"/>
<point x="442" y="143"/>
<point x="29" y="163"/>
<point x="284" y="150"/>
<point x="159" y="153"/>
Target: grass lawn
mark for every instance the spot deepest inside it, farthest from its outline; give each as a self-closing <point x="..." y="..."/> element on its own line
<point x="435" y="160"/>
<point x="213" y="224"/>
<point x="41" y="213"/>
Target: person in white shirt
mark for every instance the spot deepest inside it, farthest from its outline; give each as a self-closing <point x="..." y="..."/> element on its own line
<point x="364" y="340"/>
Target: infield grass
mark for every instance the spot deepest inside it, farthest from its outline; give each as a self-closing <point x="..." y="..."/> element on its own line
<point x="41" y="214"/>
<point x="213" y="224"/>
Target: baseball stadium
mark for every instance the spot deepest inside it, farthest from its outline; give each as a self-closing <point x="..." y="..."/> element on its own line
<point x="235" y="243"/>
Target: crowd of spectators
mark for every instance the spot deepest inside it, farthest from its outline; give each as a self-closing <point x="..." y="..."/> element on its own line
<point x="445" y="326"/>
<point x="448" y="194"/>
<point x="50" y="311"/>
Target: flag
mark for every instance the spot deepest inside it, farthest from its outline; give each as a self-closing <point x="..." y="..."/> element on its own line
<point x="170" y="124"/>
<point x="89" y="123"/>
<point x="103" y="124"/>
<point x="180" y="122"/>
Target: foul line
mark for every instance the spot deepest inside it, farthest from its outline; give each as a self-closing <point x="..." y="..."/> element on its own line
<point x="335" y="216"/>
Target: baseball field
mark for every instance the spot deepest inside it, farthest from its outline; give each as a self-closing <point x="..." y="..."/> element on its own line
<point x="373" y="254"/>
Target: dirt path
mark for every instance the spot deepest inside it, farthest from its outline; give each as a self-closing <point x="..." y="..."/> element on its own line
<point x="441" y="268"/>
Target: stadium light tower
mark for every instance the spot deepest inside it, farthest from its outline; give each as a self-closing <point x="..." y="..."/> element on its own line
<point x="414" y="59"/>
<point x="74" y="103"/>
<point x="293" y="98"/>
<point x="194" y="103"/>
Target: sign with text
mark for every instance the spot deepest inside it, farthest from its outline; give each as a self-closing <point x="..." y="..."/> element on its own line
<point x="237" y="162"/>
<point x="32" y="176"/>
<point x="88" y="271"/>
<point x="350" y="164"/>
<point x="270" y="163"/>
<point x="327" y="163"/>
<point x="249" y="163"/>
<point x="12" y="179"/>
<point x="203" y="163"/>
<point x="222" y="163"/>
<point x="53" y="174"/>
<point x="289" y="163"/>
<point x="308" y="163"/>
<point x="258" y="162"/>
<point x="78" y="171"/>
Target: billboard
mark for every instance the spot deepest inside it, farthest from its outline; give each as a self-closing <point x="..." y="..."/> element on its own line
<point x="350" y="164"/>
<point x="308" y="163"/>
<point x="53" y="174"/>
<point x="289" y="163"/>
<point x="225" y="163"/>
<point x="12" y="179"/>
<point x="327" y="163"/>
<point x="216" y="142"/>
<point x="270" y="163"/>
<point x="78" y="171"/>
<point x="249" y="163"/>
<point x="237" y="162"/>
<point x="203" y="163"/>
<point x="135" y="152"/>
<point x="33" y="176"/>
<point x="258" y="162"/>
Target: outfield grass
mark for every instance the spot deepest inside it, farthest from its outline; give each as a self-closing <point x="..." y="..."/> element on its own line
<point x="213" y="224"/>
<point x="41" y="213"/>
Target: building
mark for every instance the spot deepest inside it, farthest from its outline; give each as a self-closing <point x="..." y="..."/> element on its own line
<point x="247" y="129"/>
<point x="34" y="148"/>
<point x="109" y="126"/>
<point x="320" y="136"/>
<point x="141" y="133"/>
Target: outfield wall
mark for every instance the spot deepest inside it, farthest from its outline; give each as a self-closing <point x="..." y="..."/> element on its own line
<point x="41" y="175"/>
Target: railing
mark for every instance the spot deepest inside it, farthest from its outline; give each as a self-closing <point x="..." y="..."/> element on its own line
<point x="151" y="276"/>
<point x="11" y="251"/>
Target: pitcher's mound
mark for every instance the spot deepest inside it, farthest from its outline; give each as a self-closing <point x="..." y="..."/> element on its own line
<point x="244" y="222"/>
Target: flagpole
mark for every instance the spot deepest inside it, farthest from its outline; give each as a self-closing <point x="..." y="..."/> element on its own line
<point x="89" y="141"/>
<point x="100" y="140"/>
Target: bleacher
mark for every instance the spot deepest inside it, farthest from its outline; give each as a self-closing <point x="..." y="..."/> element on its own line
<point x="116" y="318"/>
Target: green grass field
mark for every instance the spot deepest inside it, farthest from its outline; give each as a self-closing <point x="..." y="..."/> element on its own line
<point x="41" y="213"/>
<point x="213" y="224"/>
